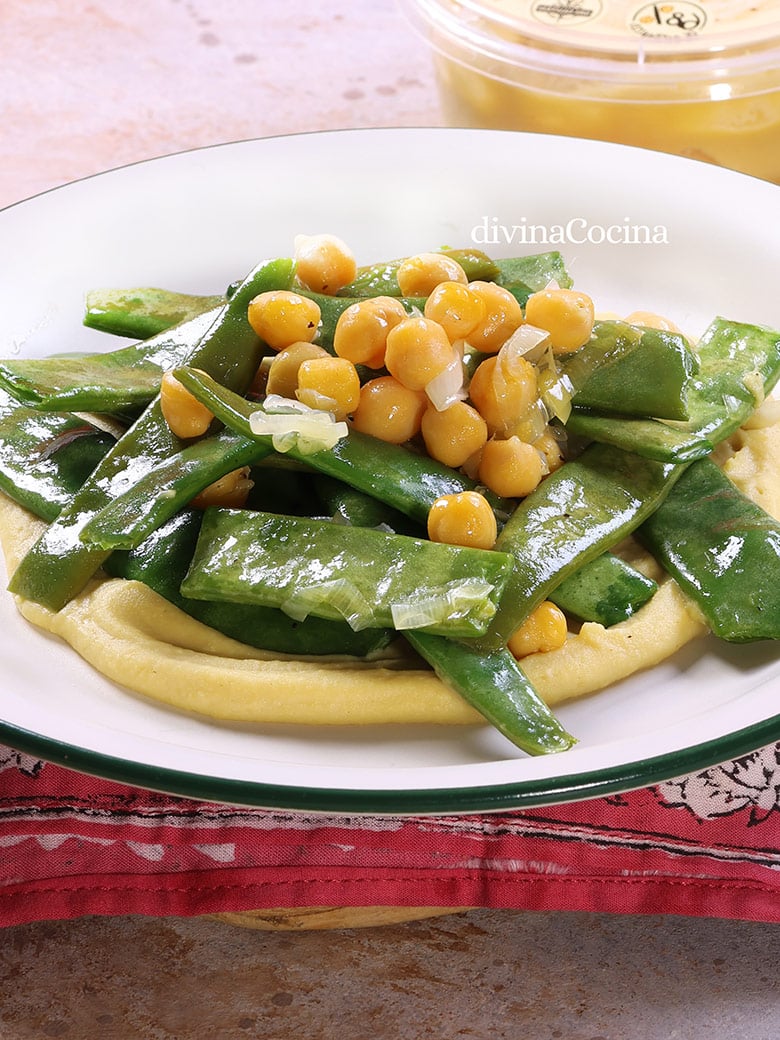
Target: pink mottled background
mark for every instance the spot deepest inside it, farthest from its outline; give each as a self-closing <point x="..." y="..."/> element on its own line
<point x="87" y="86"/>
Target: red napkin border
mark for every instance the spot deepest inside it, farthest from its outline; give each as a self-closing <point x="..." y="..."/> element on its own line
<point x="707" y="844"/>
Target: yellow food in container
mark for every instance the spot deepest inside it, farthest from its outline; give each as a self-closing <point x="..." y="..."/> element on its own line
<point x="696" y="79"/>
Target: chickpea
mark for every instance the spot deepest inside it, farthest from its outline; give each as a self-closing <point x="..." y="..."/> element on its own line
<point x="280" y="318"/>
<point x="453" y="435"/>
<point x="419" y="275"/>
<point x="511" y="468"/>
<point x="229" y="492"/>
<point x="456" y="307"/>
<point x="502" y="390"/>
<point x="503" y="316"/>
<point x="324" y="263"/>
<point x="551" y="449"/>
<point x="651" y="320"/>
<point x="542" y="631"/>
<point x="329" y="384"/>
<point x="283" y="370"/>
<point x="566" y="314"/>
<point x="417" y="351"/>
<point x="389" y="410"/>
<point x="183" y="412"/>
<point x="464" y="518"/>
<point x="362" y="329"/>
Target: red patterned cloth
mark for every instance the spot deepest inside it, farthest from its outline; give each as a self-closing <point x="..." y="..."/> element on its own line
<point x="707" y="844"/>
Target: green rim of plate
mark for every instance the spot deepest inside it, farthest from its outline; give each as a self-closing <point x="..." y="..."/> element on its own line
<point x="556" y="790"/>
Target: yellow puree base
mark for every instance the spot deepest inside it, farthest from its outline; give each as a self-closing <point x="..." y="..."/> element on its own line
<point x="139" y="640"/>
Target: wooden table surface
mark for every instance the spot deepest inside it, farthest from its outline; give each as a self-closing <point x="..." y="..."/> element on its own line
<point x="85" y="87"/>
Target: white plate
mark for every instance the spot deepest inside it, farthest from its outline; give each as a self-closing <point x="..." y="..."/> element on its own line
<point x="197" y="220"/>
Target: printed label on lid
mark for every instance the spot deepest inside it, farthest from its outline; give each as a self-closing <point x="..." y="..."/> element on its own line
<point x="678" y="19"/>
<point x="555" y="12"/>
<point x="672" y="20"/>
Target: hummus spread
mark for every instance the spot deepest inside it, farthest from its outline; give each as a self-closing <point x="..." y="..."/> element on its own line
<point x="142" y="642"/>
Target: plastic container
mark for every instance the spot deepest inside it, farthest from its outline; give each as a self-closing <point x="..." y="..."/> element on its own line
<point x="696" y="79"/>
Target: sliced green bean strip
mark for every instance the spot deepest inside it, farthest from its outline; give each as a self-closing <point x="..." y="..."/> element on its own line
<point x="613" y="366"/>
<point x="651" y="380"/>
<point x="111" y="382"/>
<point x="612" y="346"/>
<point x="284" y="486"/>
<point x="349" y="506"/>
<point x="397" y="476"/>
<point x="161" y="562"/>
<point x="495" y="684"/>
<point x="367" y="577"/>
<point x="723" y="550"/>
<point x="168" y="486"/>
<point x="144" y="312"/>
<point x="533" y="272"/>
<point x="575" y="514"/>
<point x="650" y="438"/>
<point x="606" y="590"/>
<point x="60" y="564"/>
<point x="738" y="365"/>
<point x="492" y="682"/>
<point x="45" y="458"/>
<point x="382" y="279"/>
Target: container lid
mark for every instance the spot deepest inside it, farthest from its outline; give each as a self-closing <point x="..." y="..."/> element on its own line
<point x="628" y="39"/>
<point x="680" y="26"/>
